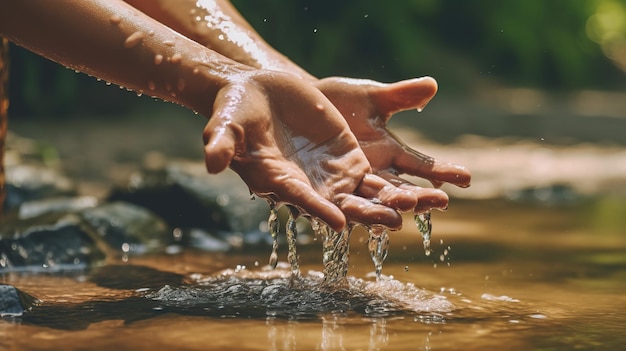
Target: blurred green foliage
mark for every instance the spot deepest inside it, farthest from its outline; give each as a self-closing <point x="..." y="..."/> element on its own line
<point x="547" y="44"/>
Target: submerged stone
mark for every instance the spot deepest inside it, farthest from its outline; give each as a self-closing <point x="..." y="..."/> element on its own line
<point x="186" y="197"/>
<point x="14" y="302"/>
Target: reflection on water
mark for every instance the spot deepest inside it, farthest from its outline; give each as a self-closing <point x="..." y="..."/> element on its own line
<point x="554" y="280"/>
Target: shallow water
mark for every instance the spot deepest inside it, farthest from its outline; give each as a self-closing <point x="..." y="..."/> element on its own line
<point x="516" y="277"/>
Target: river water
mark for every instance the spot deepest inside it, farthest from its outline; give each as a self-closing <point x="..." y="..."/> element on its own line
<point x="514" y="276"/>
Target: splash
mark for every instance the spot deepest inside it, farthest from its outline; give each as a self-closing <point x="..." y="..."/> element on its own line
<point x="424" y="225"/>
<point x="378" y="245"/>
<point x="272" y="293"/>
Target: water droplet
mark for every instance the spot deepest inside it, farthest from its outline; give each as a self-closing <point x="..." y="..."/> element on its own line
<point x="151" y="85"/>
<point x="176" y="58"/>
<point x="424" y="226"/>
<point x="158" y="59"/>
<point x="315" y="30"/>
<point x="133" y="39"/>
<point x="168" y="42"/>
<point x="220" y="37"/>
<point x="115" y="19"/>
<point x="107" y="83"/>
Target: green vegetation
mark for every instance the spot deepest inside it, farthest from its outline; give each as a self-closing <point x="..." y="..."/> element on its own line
<point x="547" y="44"/>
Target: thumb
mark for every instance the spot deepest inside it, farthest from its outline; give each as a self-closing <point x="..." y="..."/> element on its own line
<point x="404" y="95"/>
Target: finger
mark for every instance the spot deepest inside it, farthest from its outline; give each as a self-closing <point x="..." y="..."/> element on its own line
<point x="374" y="187"/>
<point x="415" y="163"/>
<point x="427" y="198"/>
<point x="300" y="194"/>
<point x="403" y="95"/>
<point x="363" y="211"/>
<point x="219" y="146"/>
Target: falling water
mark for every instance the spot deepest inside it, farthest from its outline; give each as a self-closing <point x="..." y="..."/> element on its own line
<point x="273" y="223"/>
<point x="378" y="245"/>
<point x="424" y="225"/>
<point x="292" y="233"/>
<point x="335" y="253"/>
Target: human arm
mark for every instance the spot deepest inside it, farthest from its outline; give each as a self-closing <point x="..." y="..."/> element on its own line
<point x="366" y="105"/>
<point x="252" y="113"/>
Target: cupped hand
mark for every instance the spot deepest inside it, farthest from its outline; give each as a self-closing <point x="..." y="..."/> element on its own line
<point x="367" y="106"/>
<point x="291" y="145"/>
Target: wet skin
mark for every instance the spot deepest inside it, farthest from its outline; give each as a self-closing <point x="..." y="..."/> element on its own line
<point x="366" y="105"/>
<point x="287" y="141"/>
<point x="289" y="144"/>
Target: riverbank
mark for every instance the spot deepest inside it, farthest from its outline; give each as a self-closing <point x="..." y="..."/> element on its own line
<point x="102" y="151"/>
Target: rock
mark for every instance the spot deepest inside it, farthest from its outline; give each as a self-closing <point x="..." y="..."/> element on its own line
<point x="187" y="197"/>
<point x="47" y="243"/>
<point x="72" y="233"/>
<point x="14" y="302"/>
<point x="128" y="228"/>
<point x="35" y="208"/>
<point x="30" y="182"/>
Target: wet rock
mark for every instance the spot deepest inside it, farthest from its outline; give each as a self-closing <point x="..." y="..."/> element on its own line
<point x="28" y="182"/>
<point x="74" y="233"/>
<point x="32" y="209"/>
<point x="187" y="197"/>
<point x="128" y="228"/>
<point x="14" y="302"/>
<point x="47" y="243"/>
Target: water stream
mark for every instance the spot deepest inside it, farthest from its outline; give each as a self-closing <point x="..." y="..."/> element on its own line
<point x="546" y="285"/>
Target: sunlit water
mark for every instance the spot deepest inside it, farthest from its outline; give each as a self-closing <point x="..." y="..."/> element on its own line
<point x="520" y="278"/>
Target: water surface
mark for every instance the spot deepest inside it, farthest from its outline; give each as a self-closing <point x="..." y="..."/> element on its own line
<point x="515" y="276"/>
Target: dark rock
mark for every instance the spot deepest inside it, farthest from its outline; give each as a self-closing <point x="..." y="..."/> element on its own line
<point x="36" y="208"/>
<point x="31" y="182"/>
<point x="47" y="243"/>
<point x="187" y="197"/>
<point x="14" y="302"/>
<point x="61" y="234"/>
<point x="128" y="228"/>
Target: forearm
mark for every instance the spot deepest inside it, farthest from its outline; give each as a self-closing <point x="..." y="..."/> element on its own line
<point x="113" y="41"/>
<point x="220" y="27"/>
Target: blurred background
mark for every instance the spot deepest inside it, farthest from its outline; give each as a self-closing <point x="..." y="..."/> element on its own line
<point x="532" y="93"/>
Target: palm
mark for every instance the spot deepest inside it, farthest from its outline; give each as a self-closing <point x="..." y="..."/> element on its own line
<point x="290" y="145"/>
<point x="367" y="106"/>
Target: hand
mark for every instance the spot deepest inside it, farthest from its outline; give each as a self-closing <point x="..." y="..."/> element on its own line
<point x="367" y="106"/>
<point x="291" y="145"/>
